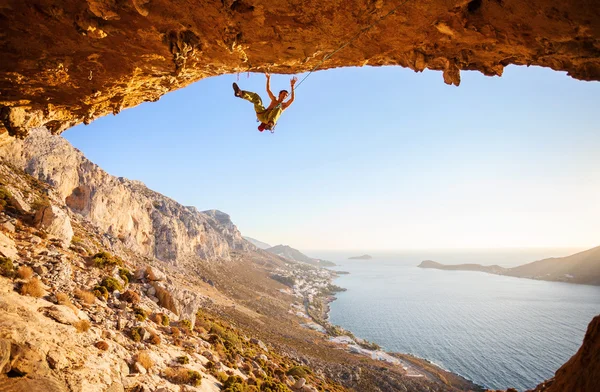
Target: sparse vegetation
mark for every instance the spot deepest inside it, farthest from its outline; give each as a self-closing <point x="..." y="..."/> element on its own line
<point x="5" y="197"/>
<point x="136" y="334"/>
<point x="185" y="324"/>
<point x="181" y="375"/>
<point x="76" y="240"/>
<point x="183" y="360"/>
<point x="101" y="345"/>
<point x="82" y="326"/>
<point x="106" y="260"/>
<point x="126" y="275"/>
<point x="175" y="332"/>
<point x="7" y="268"/>
<point x="33" y="288"/>
<point x="140" y="314"/>
<point x="101" y="292"/>
<point x="86" y="297"/>
<point x="130" y="296"/>
<point x="144" y="359"/>
<point x="63" y="299"/>
<point x="299" y="371"/>
<point x="165" y="299"/>
<point x="111" y="284"/>
<point x="24" y="272"/>
<point x="154" y="339"/>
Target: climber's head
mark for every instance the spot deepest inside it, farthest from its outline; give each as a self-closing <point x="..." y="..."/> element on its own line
<point x="283" y="95"/>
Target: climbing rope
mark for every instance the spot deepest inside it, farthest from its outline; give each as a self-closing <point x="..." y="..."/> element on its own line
<point x="352" y="39"/>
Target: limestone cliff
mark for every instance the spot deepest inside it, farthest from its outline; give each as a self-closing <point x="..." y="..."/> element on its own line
<point x="66" y="62"/>
<point x="145" y="221"/>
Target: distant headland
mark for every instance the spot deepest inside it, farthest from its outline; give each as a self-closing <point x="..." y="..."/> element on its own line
<point x="362" y="257"/>
<point x="581" y="268"/>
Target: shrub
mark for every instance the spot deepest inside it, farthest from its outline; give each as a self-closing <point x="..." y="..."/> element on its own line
<point x="185" y="324"/>
<point x="135" y="334"/>
<point x="63" y="299"/>
<point x="175" y="332"/>
<point x="106" y="260"/>
<point x="6" y="267"/>
<point x="5" y="197"/>
<point x="82" y="326"/>
<point x="140" y="314"/>
<point x="154" y="339"/>
<point x="183" y="376"/>
<point x="144" y="359"/>
<point x="165" y="320"/>
<point x="125" y="275"/>
<point x="184" y="360"/>
<point x="111" y="284"/>
<point x="130" y="296"/>
<point x="165" y="299"/>
<point x="298" y="371"/>
<point x="85" y="296"/>
<point x="24" y="272"/>
<point x="101" y="345"/>
<point x="33" y="288"/>
<point x="101" y="292"/>
<point x="76" y="240"/>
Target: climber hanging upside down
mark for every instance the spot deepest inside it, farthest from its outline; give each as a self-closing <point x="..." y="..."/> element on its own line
<point x="268" y="117"/>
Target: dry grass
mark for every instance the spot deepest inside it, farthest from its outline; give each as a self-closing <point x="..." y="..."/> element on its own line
<point x="101" y="345"/>
<point x="181" y="375"/>
<point x="24" y="272"/>
<point x="165" y="299"/>
<point x="154" y="338"/>
<point x="157" y="318"/>
<point x="86" y="297"/>
<point x="82" y="326"/>
<point x="63" y="299"/>
<point x="143" y="357"/>
<point x="130" y="296"/>
<point x="33" y="288"/>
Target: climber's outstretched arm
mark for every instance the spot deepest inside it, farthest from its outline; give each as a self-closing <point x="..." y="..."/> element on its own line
<point x="292" y="84"/>
<point x="269" y="87"/>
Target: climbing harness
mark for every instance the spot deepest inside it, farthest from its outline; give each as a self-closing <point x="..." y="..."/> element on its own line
<point x="352" y="39"/>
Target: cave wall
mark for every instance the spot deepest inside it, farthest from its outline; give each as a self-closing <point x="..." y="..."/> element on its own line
<point x="63" y="62"/>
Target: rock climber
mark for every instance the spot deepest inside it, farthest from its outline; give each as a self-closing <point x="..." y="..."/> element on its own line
<point x="268" y="117"/>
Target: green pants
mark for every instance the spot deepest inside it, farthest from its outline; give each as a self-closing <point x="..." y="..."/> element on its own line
<point x="263" y="115"/>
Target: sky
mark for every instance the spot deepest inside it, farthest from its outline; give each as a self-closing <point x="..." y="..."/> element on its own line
<point x="375" y="158"/>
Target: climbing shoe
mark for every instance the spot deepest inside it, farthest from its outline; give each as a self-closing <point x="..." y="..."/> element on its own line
<point x="236" y="90"/>
<point x="262" y="127"/>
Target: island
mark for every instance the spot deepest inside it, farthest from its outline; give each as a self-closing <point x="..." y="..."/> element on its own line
<point x="363" y="257"/>
<point x="580" y="268"/>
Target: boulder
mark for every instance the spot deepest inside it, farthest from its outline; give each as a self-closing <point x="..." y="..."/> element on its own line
<point x="56" y="223"/>
<point x="299" y="383"/>
<point x="61" y="314"/>
<point x="7" y="247"/>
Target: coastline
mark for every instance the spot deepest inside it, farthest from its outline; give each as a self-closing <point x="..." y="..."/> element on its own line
<point x="317" y="309"/>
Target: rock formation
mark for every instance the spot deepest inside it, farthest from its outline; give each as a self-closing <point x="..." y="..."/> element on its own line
<point x="66" y="62"/>
<point x="582" y="371"/>
<point x="145" y="221"/>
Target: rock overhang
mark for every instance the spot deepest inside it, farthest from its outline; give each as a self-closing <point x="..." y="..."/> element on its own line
<point x="67" y="62"/>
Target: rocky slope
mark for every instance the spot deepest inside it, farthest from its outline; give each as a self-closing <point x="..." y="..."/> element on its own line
<point x="66" y="62"/>
<point x="145" y="221"/>
<point x="582" y="268"/>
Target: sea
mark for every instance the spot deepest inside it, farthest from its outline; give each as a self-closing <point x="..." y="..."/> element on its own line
<point x="500" y="332"/>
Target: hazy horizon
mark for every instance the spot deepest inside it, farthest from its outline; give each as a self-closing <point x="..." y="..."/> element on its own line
<point x="375" y="158"/>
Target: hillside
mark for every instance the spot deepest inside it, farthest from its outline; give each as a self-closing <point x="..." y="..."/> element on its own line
<point x="257" y="243"/>
<point x="580" y="268"/>
<point x="95" y="296"/>
<point x="290" y="253"/>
